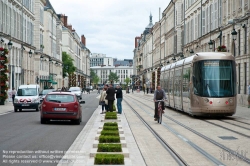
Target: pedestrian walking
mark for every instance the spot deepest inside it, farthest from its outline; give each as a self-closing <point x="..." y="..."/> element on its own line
<point x="132" y="89"/>
<point x="248" y="95"/>
<point x="102" y="101"/>
<point x="110" y="97"/>
<point x="144" y="88"/>
<point x="119" y="98"/>
<point x="13" y="92"/>
<point x="88" y="90"/>
<point x="147" y="90"/>
<point x="98" y="90"/>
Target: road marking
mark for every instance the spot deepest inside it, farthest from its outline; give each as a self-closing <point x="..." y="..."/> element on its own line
<point x="8" y="112"/>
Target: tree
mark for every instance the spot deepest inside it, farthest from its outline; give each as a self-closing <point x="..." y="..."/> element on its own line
<point x="68" y="65"/>
<point x="96" y="79"/>
<point x="113" y="77"/>
<point x="92" y="75"/>
<point x="127" y="80"/>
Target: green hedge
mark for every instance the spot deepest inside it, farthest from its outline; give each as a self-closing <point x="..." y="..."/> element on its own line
<point x="110" y="117"/>
<point x="109" y="139"/>
<point x="109" y="132"/>
<point x="111" y="114"/>
<point x="109" y="159"/>
<point x="110" y="124"/>
<point x="110" y="128"/>
<point x="109" y="148"/>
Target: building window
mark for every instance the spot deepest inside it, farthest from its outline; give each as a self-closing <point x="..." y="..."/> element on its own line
<point x="239" y="43"/>
<point x="245" y="41"/>
<point x="245" y="78"/>
<point x="239" y="78"/>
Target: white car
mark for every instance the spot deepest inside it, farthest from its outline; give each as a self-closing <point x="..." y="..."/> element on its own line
<point x="77" y="91"/>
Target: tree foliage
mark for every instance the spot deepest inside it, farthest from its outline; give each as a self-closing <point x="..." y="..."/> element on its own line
<point x="68" y="65"/>
<point x="113" y="77"/>
<point x="96" y="79"/>
<point x="127" y="80"/>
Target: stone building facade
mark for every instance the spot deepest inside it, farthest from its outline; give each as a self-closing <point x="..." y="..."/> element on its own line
<point x="190" y="26"/>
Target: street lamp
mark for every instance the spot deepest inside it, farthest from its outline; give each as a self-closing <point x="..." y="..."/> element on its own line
<point x="30" y="53"/>
<point x="10" y="45"/>
<point x="210" y="43"/>
<point x="234" y="34"/>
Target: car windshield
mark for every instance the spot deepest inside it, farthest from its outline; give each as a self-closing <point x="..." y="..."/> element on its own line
<point x="74" y="89"/>
<point x="46" y="91"/>
<point x="60" y="98"/>
<point x="27" y="92"/>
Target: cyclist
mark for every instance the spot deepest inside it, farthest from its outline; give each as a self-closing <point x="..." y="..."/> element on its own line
<point x="159" y="95"/>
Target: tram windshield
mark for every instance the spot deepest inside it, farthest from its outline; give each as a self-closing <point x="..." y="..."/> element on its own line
<point x="214" y="78"/>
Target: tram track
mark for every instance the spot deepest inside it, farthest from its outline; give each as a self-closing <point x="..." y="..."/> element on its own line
<point x="230" y="151"/>
<point x="224" y="122"/>
<point x="193" y="145"/>
<point x="171" y="151"/>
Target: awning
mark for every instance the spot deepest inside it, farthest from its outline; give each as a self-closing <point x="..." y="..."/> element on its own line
<point x="42" y="80"/>
<point x="53" y="82"/>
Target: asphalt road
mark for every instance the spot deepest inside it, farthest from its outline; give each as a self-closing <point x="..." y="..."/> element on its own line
<point x="24" y="141"/>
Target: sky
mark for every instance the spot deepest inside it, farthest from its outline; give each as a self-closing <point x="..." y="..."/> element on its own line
<point x="110" y="26"/>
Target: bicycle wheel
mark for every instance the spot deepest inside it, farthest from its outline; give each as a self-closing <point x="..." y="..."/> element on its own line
<point x="159" y="116"/>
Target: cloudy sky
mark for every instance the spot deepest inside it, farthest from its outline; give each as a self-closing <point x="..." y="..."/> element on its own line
<point x="110" y="26"/>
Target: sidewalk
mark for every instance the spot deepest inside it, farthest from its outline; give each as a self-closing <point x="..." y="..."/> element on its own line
<point x="7" y="107"/>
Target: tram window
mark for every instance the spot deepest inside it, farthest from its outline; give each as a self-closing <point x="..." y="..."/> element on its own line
<point x="214" y="78"/>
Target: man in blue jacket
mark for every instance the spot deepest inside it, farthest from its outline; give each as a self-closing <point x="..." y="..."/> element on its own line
<point x="119" y="98"/>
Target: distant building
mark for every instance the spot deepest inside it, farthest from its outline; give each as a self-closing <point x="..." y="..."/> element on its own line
<point x="98" y="59"/>
<point x="122" y="72"/>
<point x="125" y="62"/>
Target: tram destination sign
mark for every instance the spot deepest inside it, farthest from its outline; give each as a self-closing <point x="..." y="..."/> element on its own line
<point x="211" y="63"/>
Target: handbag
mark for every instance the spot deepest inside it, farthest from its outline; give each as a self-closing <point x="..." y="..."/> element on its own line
<point x="101" y="102"/>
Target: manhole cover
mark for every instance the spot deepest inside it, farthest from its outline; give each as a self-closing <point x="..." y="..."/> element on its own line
<point x="228" y="137"/>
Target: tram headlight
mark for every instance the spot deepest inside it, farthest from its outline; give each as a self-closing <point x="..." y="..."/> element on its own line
<point x="230" y="100"/>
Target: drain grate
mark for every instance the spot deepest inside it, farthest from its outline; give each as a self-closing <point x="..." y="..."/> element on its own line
<point x="228" y="137"/>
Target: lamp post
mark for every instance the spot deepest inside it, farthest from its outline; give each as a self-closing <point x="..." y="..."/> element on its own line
<point x="234" y="34"/>
<point x="219" y="37"/>
<point x="210" y="43"/>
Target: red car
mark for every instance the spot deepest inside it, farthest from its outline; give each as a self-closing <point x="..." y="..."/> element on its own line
<point x="61" y="106"/>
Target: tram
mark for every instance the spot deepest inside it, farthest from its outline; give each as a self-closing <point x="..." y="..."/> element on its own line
<point x="202" y="85"/>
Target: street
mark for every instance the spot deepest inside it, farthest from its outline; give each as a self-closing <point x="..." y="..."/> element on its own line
<point x="22" y="136"/>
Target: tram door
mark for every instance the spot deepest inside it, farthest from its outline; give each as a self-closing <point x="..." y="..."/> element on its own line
<point x="171" y="88"/>
<point x="186" y="89"/>
<point x="177" y="89"/>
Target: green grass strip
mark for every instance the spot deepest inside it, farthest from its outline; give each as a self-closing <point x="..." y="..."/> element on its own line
<point x="109" y="148"/>
<point x="109" y="139"/>
<point x="110" y="128"/>
<point x="109" y="159"/>
<point x="111" y="114"/>
<point x="110" y="132"/>
<point x="110" y="124"/>
<point x="110" y="117"/>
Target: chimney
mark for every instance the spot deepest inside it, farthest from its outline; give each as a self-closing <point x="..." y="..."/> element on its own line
<point x="73" y="30"/>
<point x="70" y="27"/>
<point x="65" y="20"/>
<point x="136" y="41"/>
<point x="83" y="40"/>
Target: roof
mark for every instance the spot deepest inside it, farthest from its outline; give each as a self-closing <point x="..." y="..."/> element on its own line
<point x="112" y="67"/>
<point x="121" y="63"/>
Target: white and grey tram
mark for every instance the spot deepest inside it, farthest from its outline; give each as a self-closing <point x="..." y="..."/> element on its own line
<point x="203" y="84"/>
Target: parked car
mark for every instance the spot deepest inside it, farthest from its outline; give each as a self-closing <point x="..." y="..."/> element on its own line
<point x="44" y="92"/>
<point x="77" y="91"/>
<point x="61" y="106"/>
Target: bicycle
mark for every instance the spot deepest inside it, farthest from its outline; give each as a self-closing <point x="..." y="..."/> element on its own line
<point x="159" y="110"/>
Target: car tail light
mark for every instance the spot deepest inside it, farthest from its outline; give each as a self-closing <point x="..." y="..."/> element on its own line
<point x="226" y="102"/>
<point x="210" y="102"/>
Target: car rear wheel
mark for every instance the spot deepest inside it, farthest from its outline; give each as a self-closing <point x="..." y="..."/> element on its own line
<point x="37" y="109"/>
<point x="20" y="110"/>
<point x="15" y="109"/>
<point x="77" y="121"/>
<point x="43" y="121"/>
